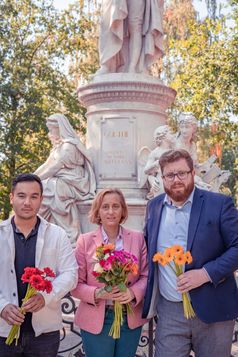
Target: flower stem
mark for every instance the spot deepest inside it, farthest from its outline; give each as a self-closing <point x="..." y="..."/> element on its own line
<point x="187" y="307"/>
<point x="15" y="330"/>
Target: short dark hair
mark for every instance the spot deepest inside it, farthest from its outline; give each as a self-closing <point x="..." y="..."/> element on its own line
<point x="173" y="156"/>
<point x="26" y="178"/>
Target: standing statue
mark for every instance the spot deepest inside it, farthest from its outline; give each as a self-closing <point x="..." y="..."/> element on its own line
<point x="164" y="141"/>
<point x="67" y="177"/>
<point x="131" y="35"/>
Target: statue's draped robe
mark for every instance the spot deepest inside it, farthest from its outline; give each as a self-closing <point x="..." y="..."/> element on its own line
<point x="114" y="37"/>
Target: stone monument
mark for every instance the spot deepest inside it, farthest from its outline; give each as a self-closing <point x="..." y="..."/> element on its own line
<point x="124" y="103"/>
<point x="126" y="106"/>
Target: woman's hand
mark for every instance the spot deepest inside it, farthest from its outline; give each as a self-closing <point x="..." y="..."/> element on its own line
<point x="101" y="293"/>
<point x="124" y="297"/>
<point x="115" y="294"/>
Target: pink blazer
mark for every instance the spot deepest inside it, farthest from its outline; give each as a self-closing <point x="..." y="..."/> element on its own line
<point x="89" y="316"/>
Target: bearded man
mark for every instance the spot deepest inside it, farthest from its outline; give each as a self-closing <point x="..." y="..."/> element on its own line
<point x="206" y="224"/>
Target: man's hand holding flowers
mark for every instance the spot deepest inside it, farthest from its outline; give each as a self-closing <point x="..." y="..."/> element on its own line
<point x="34" y="304"/>
<point x="175" y="258"/>
<point x="12" y="315"/>
<point x="192" y="279"/>
<point x="37" y="280"/>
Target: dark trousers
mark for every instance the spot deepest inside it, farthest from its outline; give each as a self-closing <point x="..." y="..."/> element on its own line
<point x="45" y="345"/>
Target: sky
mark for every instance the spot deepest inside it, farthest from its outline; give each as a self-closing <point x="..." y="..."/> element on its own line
<point x="199" y="5"/>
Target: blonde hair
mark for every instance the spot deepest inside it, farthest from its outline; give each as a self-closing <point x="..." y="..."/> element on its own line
<point x="97" y="202"/>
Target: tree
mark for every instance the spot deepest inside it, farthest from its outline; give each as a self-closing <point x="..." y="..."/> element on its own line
<point x="205" y="74"/>
<point x="35" y="40"/>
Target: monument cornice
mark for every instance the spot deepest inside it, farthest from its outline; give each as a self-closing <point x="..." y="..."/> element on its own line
<point x="126" y="88"/>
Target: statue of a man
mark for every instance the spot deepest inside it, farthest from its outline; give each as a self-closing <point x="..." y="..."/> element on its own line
<point x="131" y="36"/>
<point x="67" y="177"/>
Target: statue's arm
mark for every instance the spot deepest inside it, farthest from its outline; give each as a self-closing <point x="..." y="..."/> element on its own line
<point x="49" y="168"/>
<point x="55" y="161"/>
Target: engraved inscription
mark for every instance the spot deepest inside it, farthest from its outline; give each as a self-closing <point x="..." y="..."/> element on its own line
<point x="118" y="148"/>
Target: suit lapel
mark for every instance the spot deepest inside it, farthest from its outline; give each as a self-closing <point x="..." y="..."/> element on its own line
<point x="97" y="237"/>
<point x="156" y="212"/>
<point x="194" y="216"/>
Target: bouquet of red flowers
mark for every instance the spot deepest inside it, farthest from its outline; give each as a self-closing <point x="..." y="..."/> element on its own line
<point x="38" y="280"/>
<point x="112" y="268"/>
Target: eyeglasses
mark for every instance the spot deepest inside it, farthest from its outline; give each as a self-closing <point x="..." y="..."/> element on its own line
<point x="182" y="175"/>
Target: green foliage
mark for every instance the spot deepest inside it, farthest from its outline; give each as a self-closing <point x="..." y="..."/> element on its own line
<point x="202" y="66"/>
<point x="35" y="41"/>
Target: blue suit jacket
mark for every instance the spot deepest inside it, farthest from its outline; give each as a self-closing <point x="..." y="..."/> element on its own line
<point x="213" y="242"/>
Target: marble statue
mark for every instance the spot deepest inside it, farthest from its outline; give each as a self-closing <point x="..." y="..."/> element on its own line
<point x="208" y="175"/>
<point x="185" y="136"/>
<point x="164" y="140"/>
<point x="67" y="177"/>
<point x="131" y="35"/>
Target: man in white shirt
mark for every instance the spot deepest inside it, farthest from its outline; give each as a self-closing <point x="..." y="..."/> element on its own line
<point x="27" y="240"/>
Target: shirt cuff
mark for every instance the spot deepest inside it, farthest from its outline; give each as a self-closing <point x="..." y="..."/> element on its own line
<point x="208" y="276"/>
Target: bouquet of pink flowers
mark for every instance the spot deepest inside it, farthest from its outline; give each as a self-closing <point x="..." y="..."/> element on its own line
<point x="38" y="280"/>
<point x="112" y="268"/>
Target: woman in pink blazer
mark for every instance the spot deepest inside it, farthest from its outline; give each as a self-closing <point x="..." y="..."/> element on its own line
<point x="95" y="314"/>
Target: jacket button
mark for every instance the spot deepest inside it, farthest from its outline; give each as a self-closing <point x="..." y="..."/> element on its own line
<point x="14" y="294"/>
<point x="11" y="271"/>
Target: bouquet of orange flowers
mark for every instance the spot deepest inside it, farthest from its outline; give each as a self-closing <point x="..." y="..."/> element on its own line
<point x="175" y="258"/>
<point x="38" y="280"/>
<point x="112" y="268"/>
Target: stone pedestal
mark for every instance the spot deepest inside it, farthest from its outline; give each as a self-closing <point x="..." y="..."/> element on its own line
<point x="123" y="110"/>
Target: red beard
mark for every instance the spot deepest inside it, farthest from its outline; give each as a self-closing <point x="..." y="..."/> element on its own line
<point x="181" y="195"/>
